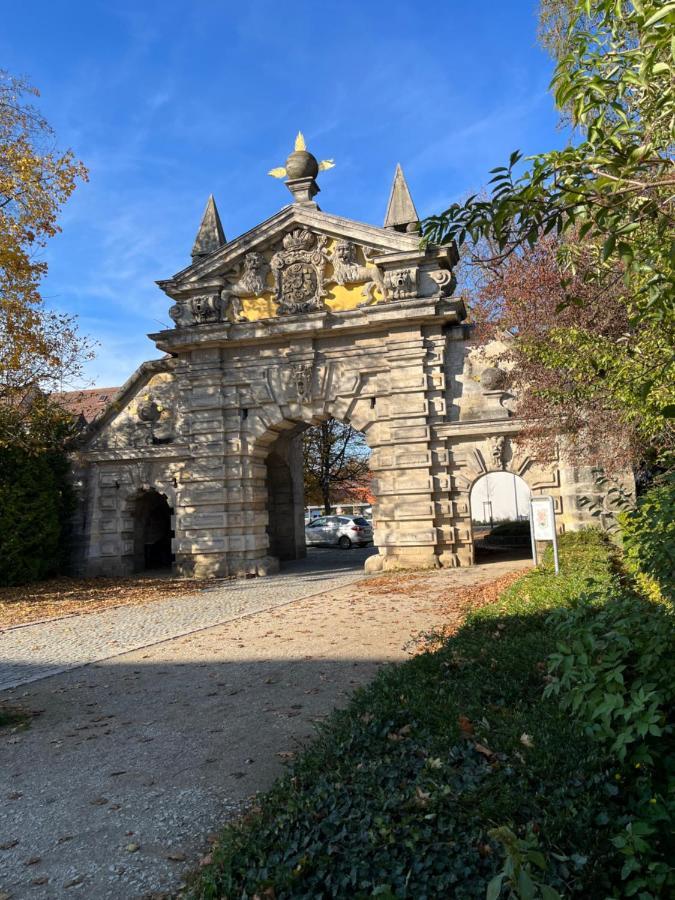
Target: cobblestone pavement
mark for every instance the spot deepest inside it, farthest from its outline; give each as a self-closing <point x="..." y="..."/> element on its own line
<point x="31" y="652"/>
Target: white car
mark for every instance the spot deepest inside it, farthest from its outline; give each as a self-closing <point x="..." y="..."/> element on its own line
<point x="339" y="531"/>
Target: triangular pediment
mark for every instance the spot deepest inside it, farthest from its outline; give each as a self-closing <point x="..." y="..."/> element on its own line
<point x="126" y="422"/>
<point x="221" y="261"/>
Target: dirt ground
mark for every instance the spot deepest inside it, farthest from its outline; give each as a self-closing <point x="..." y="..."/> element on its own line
<point x="68" y="596"/>
<point x="132" y="764"/>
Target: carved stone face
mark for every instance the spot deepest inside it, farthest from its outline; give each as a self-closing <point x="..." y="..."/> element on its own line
<point x="252" y="262"/>
<point x="345" y="252"/>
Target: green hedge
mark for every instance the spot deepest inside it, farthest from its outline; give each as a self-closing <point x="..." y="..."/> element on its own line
<point x="35" y="504"/>
<point x="36" y="499"/>
<point x="400" y="794"/>
<point x="649" y="536"/>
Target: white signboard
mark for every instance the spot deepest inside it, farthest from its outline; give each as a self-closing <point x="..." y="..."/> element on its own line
<point x="543" y="518"/>
<point x="542" y="526"/>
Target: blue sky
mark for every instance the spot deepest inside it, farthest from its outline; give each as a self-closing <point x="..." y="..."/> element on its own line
<point x="166" y="102"/>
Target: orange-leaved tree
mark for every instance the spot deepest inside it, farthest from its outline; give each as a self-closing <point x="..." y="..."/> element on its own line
<point x="39" y="348"/>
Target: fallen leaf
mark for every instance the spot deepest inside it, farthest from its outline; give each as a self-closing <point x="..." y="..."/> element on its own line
<point x="132" y="848"/>
<point x="422" y="798"/>
<point x="485" y="751"/>
<point x="526" y="740"/>
<point x="465" y="726"/>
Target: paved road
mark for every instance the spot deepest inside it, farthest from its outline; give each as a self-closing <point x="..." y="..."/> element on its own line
<point x="111" y="792"/>
<point x="37" y="651"/>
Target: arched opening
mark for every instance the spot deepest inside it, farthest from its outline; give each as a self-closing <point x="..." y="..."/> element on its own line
<point x="500" y="517"/>
<point x="285" y="499"/>
<point x="152" y="532"/>
<point x="309" y="466"/>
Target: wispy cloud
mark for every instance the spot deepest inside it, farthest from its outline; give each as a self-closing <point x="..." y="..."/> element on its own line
<point x="167" y="102"/>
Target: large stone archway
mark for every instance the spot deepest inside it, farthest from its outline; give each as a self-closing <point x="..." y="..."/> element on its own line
<point x="305" y="317"/>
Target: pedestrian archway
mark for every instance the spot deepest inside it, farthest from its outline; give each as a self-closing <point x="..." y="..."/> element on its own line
<point x="500" y="519"/>
<point x="152" y="532"/>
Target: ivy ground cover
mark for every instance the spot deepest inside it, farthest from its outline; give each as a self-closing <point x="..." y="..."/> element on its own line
<point x="408" y="793"/>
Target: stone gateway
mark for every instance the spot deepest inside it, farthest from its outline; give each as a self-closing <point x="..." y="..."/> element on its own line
<point x="307" y="316"/>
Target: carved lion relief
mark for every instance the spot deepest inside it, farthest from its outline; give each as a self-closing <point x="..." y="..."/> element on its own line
<point x="347" y="270"/>
<point x="251" y="283"/>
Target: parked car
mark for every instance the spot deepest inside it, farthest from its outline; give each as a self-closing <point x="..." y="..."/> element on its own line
<point x="339" y="531"/>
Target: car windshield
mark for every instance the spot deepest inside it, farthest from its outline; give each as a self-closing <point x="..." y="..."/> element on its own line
<point x="359" y="520"/>
<point x="316" y="522"/>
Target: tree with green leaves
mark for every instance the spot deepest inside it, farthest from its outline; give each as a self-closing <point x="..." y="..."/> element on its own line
<point x="39" y="348"/>
<point x="36" y="497"/>
<point x="335" y="456"/>
<point x="608" y="196"/>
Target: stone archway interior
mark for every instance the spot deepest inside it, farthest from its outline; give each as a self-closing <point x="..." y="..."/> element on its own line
<point x="285" y="498"/>
<point x="500" y="512"/>
<point x="152" y="532"/>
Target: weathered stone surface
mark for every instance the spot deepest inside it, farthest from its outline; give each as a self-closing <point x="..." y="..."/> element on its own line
<point x="401" y="212"/>
<point x="214" y="427"/>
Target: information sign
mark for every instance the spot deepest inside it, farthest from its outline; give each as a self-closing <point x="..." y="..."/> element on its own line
<point x="542" y="526"/>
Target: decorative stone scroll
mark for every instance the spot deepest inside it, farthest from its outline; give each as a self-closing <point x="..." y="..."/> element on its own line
<point x="302" y="379"/>
<point x="200" y="310"/>
<point x="299" y="272"/>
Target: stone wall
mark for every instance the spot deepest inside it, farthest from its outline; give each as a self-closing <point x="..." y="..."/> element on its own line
<point x="213" y="426"/>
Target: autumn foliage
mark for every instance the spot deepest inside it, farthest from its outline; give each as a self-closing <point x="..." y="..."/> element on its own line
<point x="38" y="347"/>
<point x="573" y="365"/>
<point x="336" y="464"/>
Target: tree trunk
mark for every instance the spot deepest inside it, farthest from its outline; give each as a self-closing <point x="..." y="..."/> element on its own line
<point x="325" y="467"/>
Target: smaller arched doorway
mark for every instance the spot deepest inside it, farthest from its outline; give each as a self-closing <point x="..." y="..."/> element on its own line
<point x="152" y="532"/>
<point x="500" y="517"/>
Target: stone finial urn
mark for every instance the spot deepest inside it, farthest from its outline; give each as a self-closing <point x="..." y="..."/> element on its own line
<point x="492" y="378"/>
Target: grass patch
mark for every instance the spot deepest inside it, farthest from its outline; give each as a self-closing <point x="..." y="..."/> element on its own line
<point x="13" y="717"/>
<point x="397" y="795"/>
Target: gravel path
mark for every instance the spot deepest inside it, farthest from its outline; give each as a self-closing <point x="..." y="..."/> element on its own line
<point x="135" y="760"/>
<point x="31" y="652"/>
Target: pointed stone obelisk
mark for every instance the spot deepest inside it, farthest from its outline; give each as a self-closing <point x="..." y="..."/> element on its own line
<point x="210" y="235"/>
<point x="401" y="213"/>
